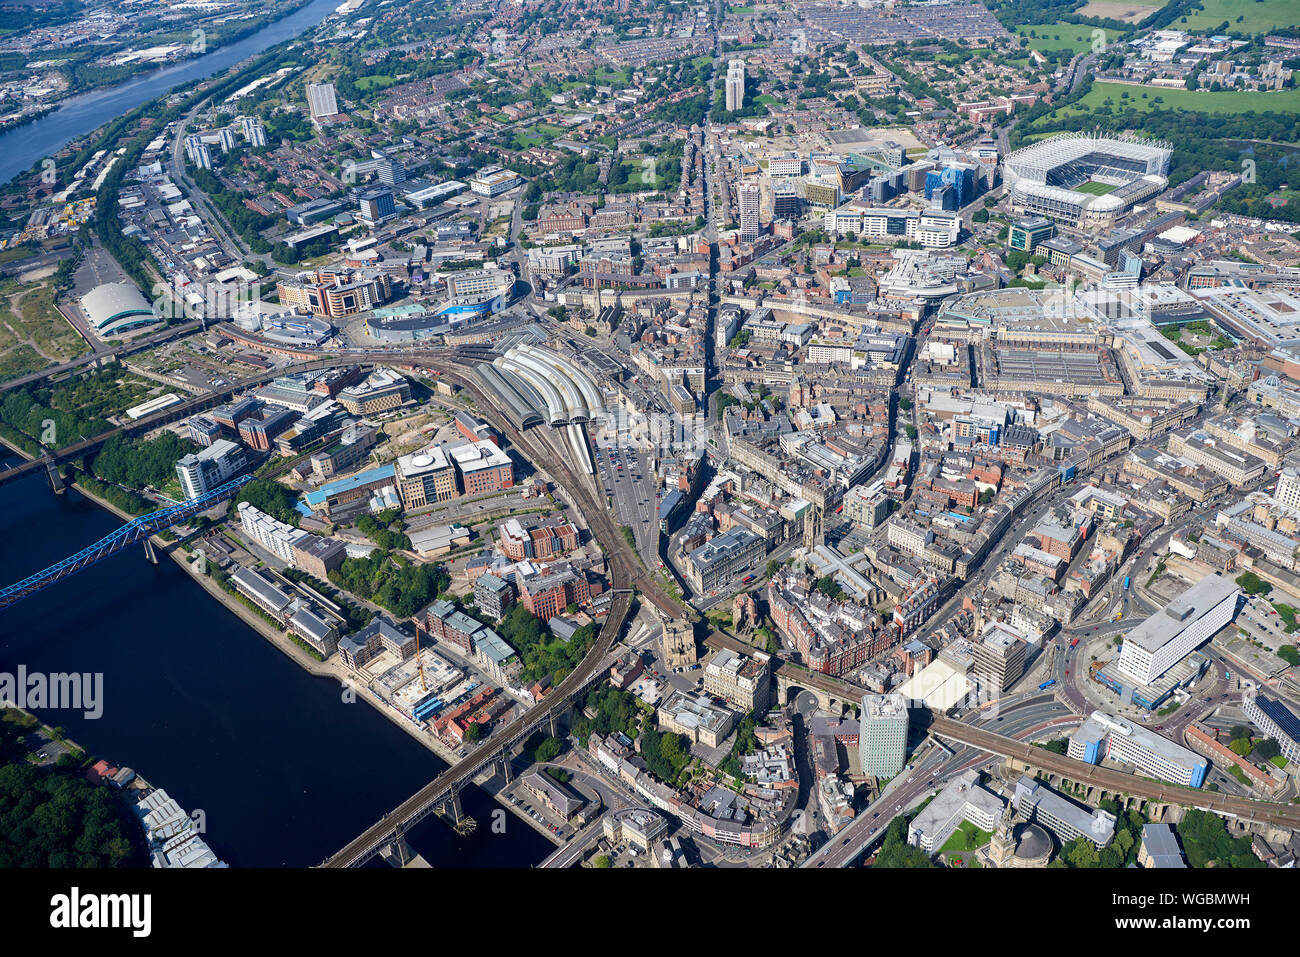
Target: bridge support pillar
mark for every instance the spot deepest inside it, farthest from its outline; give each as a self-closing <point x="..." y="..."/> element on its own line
<point x="507" y="767"/>
<point x="554" y="723"/>
<point x="397" y="852"/>
<point x="149" y="553"/>
<point x="54" y="475"/>
<point x="457" y="813"/>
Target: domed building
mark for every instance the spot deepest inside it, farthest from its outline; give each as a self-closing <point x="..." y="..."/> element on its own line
<point x="1034" y="847"/>
<point x="1026" y="845"/>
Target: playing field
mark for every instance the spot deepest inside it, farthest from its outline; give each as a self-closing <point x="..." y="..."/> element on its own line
<point x="1094" y="188"/>
<point x="1124" y="96"/>
<point x="1061" y="36"/>
<point x="1256" y="16"/>
<point x="1130" y="11"/>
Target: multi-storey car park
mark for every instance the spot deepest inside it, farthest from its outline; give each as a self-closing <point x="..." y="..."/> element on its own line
<point x="1087" y="180"/>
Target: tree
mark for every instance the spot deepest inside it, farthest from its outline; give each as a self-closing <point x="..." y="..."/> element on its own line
<point x="1252" y="584"/>
<point x="269" y="496"/>
<point x="548" y="750"/>
<point x="896" y="852"/>
<point x="1268" y="749"/>
<point x="475" y="732"/>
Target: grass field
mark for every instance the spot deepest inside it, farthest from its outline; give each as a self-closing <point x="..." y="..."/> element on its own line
<point x="1146" y="99"/>
<point x="379" y="81"/>
<point x="967" y="837"/>
<point x="1130" y="11"/>
<point x="32" y="333"/>
<point x="1257" y="16"/>
<point x="540" y="134"/>
<point x="1061" y="36"/>
<point x="1093" y="188"/>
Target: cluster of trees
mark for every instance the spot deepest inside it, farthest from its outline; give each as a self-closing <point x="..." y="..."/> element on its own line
<point x="688" y="112"/>
<point x="137" y="463"/>
<point x="1120" y="852"/>
<point x="1252" y="584"/>
<point x="271" y="497"/>
<point x="1242" y="743"/>
<point x="896" y="852"/>
<point x="666" y="754"/>
<point x="746" y="741"/>
<point x="547" y="749"/>
<point x="385" y="529"/>
<point x="128" y="501"/>
<point x="614" y="711"/>
<point x="1206" y="842"/>
<point x="392" y="582"/>
<point x="54" y="817"/>
<point x="829" y="587"/>
<point x="248" y="224"/>
<point x="63" y="414"/>
<point x="542" y="653"/>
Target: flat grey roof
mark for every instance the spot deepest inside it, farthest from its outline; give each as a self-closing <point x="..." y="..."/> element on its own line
<point x="1181" y="613"/>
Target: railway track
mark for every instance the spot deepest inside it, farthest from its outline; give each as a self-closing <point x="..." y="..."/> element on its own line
<point x="626" y="574"/>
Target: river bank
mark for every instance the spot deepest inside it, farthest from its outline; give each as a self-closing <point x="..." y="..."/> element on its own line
<point x="83" y="113"/>
<point x="489" y="783"/>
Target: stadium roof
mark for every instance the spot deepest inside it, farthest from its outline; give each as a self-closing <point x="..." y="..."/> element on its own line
<point x="112" y="307"/>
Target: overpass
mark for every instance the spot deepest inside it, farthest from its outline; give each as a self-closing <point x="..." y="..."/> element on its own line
<point x="1118" y="782"/>
<point x="96" y="359"/>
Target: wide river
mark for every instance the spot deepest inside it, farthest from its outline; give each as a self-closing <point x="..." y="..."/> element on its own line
<point x="284" y="770"/>
<point x="76" y="116"/>
<point x="200" y="704"/>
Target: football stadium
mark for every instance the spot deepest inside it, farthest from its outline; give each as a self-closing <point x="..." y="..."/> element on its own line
<point x="1087" y="180"/>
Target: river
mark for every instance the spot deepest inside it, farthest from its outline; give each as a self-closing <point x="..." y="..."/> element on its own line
<point x="198" y="703"/>
<point x="76" y="116"/>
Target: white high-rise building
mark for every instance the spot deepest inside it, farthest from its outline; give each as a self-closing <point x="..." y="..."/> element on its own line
<point x="882" y="734"/>
<point x="1288" y="489"/>
<point x="321" y="100"/>
<point x="735" y="85"/>
<point x="227" y="139"/>
<point x="1172" y="633"/>
<point x="748" y="198"/>
<point x="202" y="471"/>
<point x="254" y="131"/>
